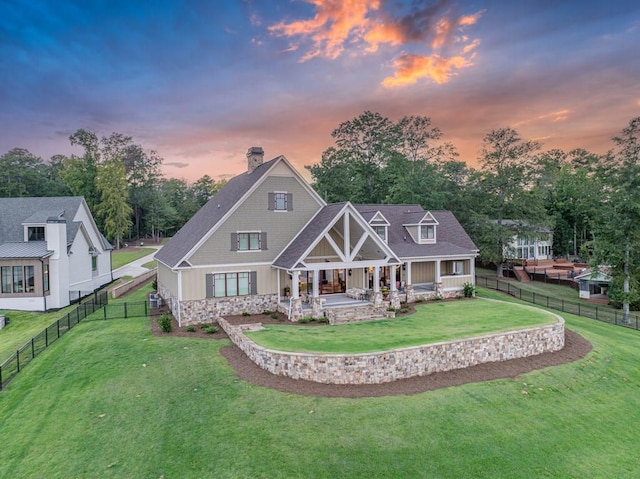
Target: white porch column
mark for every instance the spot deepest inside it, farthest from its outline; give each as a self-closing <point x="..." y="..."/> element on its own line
<point x="394" y="297"/>
<point x="316" y="284"/>
<point x="438" y="282"/>
<point x="295" y="284"/>
<point x="408" y="281"/>
<point x="472" y="269"/>
<point x="376" y="279"/>
<point x="392" y="271"/>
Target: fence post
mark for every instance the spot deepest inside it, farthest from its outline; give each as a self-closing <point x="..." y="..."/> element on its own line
<point x="58" y="327"/>
<point x="534" y="298"/>
<point x="18" y="360"/>
<point x="46" y="337"/>
<point x="547" y="301"/>
<point x="68" y="321"/>
<point x="146" y="312"/>
<point x="105" y="313"/>
<point x="125" y="310"/>
<point x="596" y="313"/>
<point x="0" y="378"/>
<point x="562" y="305"/>
<point x="33" y="351"/>
<point x="579" y="310"/>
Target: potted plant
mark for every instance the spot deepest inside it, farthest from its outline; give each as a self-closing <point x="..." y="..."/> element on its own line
<point x="287" y="291"/>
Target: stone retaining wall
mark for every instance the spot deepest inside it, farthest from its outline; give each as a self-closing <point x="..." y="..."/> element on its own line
<point x="376" y="368"/>
<point x="212" y="309"/>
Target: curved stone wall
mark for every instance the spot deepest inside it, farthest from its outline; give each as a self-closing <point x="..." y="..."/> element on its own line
<point x="387" y="366"/>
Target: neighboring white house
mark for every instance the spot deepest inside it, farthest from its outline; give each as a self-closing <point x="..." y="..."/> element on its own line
<point x="268" y="241"/>
<point x="51" y="251"/>
<point x="538" y="246"/>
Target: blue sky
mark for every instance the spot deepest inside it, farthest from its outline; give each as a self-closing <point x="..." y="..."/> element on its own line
<point x="201" y="81"/>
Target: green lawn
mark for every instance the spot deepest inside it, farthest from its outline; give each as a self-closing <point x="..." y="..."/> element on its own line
<point x="120" y="258"/>
<point x="110" y="400"/>
<point x="433" y="322"/>
<point x="150" y="264"/>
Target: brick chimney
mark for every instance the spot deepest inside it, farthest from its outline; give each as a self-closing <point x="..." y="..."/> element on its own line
<point x="255" y="157"/>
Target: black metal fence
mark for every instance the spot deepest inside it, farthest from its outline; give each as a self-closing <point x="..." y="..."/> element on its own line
<point x="26" y="353"/>
<point x="600" y="313"/>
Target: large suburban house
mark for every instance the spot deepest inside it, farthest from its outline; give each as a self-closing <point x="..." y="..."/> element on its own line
<point x="51" y="252"/>
<point x="536" y="246"/>
<point x="267" y="241"/>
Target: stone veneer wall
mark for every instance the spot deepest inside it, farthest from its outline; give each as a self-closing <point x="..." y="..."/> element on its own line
<point x="212" y="309"/>
<point x="376" y="368"/>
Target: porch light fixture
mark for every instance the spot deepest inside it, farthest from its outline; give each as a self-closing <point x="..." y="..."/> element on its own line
<point x="349" y="272"/>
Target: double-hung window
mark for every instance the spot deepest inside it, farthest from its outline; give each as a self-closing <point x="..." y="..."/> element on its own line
<point x="427" y="233"/>
<point x="280" y="201"/>
<point x="248" y="241"/>
<point x="381" y="231"/>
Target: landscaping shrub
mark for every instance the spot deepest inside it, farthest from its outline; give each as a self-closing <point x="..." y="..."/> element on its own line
<point x="305" y="319"/>
<point x="246" y="313"/>
<point x="266" y="312"/>
<point x="164" y="322"/>
<point x="191" y="328"/>
<point x="154" y="285"/>
<point x="469" y="290"/>
<point x="274" y="316"/>
<point x="211" y="329"/>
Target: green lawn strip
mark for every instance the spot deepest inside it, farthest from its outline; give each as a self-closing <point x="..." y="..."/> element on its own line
<point x="150" y="264"/>
<point x="112" y="400"/>
<point x="120" y="258"/>
<point x="434" y="322"/>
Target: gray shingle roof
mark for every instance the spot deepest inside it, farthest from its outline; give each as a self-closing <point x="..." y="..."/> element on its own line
<point x="209" y="215"/>
<point x="14" y="211"/>
<point x="451" y="238"/>
<point x="31" y="249"/>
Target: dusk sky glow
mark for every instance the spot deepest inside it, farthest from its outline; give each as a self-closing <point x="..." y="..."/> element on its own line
<point x="202" y="81"/>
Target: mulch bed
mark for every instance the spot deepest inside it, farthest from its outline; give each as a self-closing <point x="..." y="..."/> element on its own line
<point x="576" y="347"/>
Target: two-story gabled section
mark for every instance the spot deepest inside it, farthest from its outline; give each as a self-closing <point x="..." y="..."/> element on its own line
<point x="267" y="241"/>
<point x="51" y="252"/>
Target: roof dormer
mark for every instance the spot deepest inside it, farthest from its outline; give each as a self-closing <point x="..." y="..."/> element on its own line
<point x="381" y="226"/>
<point x="422" y="227"/>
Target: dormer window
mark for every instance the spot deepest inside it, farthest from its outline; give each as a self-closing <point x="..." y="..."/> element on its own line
<point x="381" y="231"/>
<point x="427" y="233"/>
<point x="35" y="233"/>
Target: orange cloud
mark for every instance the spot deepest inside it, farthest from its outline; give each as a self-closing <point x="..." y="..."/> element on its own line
<point x="410" y="68"/>
<point x="384" y="33"/>
<point x="378" y="22"/>
<point x="334" y="21"/>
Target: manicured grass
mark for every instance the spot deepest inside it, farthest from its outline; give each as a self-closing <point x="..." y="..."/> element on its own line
<point x="25" y="325"/>
<point x="120" y="258"/>
<point x="433" y="322"/>
<point x="150" y="264"/>
<point x="111" y="400"/>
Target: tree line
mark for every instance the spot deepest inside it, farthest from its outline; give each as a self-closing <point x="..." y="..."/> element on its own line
<point x="120" y="181"/>
<point x="590" y="201"/>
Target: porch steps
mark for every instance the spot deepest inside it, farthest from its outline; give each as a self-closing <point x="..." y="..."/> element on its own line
<point x="521" y="274"/>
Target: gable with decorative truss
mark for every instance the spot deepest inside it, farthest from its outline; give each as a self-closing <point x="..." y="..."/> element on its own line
<point x="338" y="235"/>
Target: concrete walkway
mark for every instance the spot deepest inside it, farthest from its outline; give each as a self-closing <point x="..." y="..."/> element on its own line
<point x="135" y="268"/>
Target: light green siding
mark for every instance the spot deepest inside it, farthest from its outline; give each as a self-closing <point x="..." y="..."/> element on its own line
<point x="254" y="215"/>
<point x="168" y="279"/>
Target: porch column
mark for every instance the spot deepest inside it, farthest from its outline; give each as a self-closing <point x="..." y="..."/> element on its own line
<point x="472" y="269"/>
<point x="392" y="271"/>
<point x="316" y="284"/>
<point x="377" y="295"/>
<point x="394" y="297"/>
<point x="296" y="303"/>
<point x="438" y="282"/>
<point x="295" y="284"/>
<point x="408" y="282"/>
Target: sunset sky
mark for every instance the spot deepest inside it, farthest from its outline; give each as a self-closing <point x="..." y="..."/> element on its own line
<point x="202" y="81"/>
